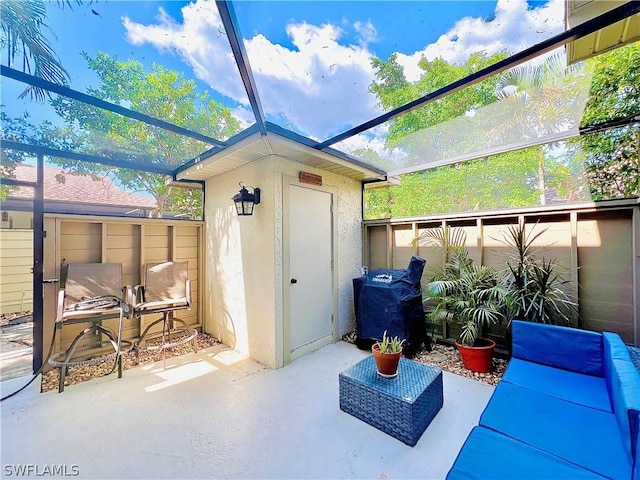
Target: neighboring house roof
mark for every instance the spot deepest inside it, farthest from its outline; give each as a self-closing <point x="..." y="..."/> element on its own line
<point x="79" y="189"/>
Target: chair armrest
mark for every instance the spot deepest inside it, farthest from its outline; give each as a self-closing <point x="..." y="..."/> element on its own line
<point x="188" y="293"/>
<point x="562" y="347"/>
<point x="60" y="306"/>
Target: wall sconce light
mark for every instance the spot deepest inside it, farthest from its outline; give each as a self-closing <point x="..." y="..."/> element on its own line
<point x="245" y="201"/>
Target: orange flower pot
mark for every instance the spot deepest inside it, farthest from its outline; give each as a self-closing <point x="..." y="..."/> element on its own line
<point x="478" y="358"/>
<point x="386" y="363"/>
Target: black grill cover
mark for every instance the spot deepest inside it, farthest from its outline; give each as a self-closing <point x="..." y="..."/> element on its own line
<point x="391" y="300"/>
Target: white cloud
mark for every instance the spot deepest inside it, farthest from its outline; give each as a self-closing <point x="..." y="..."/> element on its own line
<point x="200" y="41"/>
<point x="321" y="87"/>
<point x="514" y="27"/>
<point x="367" y="33"/>
<point x="244" y="115"/>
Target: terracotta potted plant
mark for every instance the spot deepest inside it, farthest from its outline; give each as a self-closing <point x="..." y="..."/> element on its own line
<point x="469" y="295"/>
<point x="386" y="354"/>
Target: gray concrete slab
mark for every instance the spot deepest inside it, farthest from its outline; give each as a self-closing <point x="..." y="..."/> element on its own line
<point x="216" y="414"/>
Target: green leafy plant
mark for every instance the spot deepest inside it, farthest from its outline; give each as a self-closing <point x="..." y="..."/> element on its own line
<point x="537" y="288"/>
<point x="390" y="344"/>
<point x="462" y="291"/>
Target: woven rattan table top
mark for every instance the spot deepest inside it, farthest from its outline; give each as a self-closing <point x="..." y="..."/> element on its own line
<point x="412" y="379"/>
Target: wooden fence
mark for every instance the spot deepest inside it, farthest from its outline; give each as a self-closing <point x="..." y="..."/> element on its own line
<point x="597" y="243"/>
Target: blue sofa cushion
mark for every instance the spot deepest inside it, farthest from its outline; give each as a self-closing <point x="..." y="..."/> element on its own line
<point x="636" y="471"/>
<point x="585" y="436"/>
<point x="567" y="348"/>
<point x="623" y="382"/>
<point x="488" y="454"/>
<point x="573" y="387"/>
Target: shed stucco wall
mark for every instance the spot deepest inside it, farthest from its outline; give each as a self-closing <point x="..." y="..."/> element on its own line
<point x="244" y="257"/>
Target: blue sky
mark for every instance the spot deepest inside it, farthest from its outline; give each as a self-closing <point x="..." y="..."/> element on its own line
<point x="311" y="60"/>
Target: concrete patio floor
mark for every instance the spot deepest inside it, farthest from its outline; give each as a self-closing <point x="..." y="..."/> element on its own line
<point x="217" y="414"/>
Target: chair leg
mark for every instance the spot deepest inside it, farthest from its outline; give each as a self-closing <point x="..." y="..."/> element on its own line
<point x="168" y="321"/>
<point x="63" y="373"/>
<point x="165" y="326"/>
<point x="138" y="344"/>
<point x="70" y="350"/>
<point x="115" y="343"/>
<point x="96" y="328"/>
<point x="136" y="347"/>
<point x="119" y="347"/>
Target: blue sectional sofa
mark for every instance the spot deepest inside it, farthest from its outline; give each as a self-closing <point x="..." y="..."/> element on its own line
<point x="568" y="407"/>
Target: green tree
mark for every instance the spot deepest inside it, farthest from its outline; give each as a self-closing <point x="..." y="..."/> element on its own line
<point x="549" y="94"/>
<point x="160" y="93"/>
<point x="13" y="129"/>
<point x="394" y="91"/>
<point x="613" y="156"/>
<point x="500" y="181"/>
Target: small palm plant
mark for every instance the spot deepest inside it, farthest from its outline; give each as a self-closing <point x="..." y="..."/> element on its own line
<point x="462" y="291"/>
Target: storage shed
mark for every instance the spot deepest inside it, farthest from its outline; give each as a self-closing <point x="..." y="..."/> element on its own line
<point x="279" y="281"/>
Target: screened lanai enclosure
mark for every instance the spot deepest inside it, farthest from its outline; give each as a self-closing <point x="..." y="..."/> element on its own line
<point x="353" y="127"/>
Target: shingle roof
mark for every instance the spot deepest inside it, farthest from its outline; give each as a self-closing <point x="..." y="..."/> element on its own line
<point x="79" y="189"/>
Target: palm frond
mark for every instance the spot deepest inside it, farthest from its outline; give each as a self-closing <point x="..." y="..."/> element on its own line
<point x="23" y="30"/>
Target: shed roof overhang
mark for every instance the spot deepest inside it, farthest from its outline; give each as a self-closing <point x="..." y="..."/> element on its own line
<point x="612" y="36"/>
<point x="251" y="146"/>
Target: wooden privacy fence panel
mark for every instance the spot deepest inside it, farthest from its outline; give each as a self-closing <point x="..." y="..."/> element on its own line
<point x="596" y="243"/>
<point x="131" y="242"/>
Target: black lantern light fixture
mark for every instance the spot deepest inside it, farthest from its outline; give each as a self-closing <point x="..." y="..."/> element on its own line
<point x="245" y="201"/>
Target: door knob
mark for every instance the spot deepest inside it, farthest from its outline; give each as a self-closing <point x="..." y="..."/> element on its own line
<point x="294" y="280"/>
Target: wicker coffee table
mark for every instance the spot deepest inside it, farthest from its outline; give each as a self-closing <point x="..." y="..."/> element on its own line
<point x="403" y="406"/>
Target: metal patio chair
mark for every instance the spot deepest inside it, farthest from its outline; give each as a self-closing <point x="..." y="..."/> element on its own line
<point x="166" y="290"/>
<point x="92" y="293"/>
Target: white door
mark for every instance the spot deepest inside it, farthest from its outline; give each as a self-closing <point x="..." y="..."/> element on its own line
<point x="311" y="271"/>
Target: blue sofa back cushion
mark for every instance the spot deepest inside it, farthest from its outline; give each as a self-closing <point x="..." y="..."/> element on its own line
<point x="587" y="390"/>
<point x="581" y="350"/>
<point x="623" y="381"/>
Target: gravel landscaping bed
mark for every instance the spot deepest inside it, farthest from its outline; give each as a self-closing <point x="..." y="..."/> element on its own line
<point x="443" y="356"/>
<point x="448" y="359"/>
<point x="83" y="373"/>
<point x="15" y="318"/>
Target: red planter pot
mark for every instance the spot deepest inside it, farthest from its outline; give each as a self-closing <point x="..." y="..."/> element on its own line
<point x="478" y="358"/>
<point x="386" y="363"/>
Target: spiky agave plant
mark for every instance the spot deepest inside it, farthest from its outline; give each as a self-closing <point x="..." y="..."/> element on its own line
<point x="390" y="344"/>
<point x="538" y="290"/>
